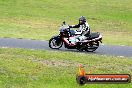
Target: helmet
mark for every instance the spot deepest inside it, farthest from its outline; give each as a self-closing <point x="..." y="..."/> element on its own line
<point x="82" y="19"/>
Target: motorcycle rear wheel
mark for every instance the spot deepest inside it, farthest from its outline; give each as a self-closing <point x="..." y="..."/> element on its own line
<point x="92" y="46"/>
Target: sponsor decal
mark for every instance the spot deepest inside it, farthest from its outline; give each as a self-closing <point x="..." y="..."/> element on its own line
<point x="83" y="78"/>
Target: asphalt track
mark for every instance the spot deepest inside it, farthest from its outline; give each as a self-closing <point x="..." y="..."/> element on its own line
<point x="112" y="50"/>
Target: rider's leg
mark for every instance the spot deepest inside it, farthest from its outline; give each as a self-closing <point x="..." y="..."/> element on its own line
<point x="81" y="38"/>
<point x="73" y="39"/>
<point x="77" y="38"/>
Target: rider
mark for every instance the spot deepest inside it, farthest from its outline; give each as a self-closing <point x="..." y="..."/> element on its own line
<point x="84" y="29"/>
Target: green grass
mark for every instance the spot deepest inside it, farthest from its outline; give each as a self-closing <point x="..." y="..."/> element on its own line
<point x="22" y="68"/>
<point x="39" y="19"/>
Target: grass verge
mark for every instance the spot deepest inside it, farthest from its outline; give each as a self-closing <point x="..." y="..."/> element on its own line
<point x="22" y="68"/>
<point x="40" y="19"/>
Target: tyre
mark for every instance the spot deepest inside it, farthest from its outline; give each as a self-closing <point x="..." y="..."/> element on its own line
<point x="55" y="44"/>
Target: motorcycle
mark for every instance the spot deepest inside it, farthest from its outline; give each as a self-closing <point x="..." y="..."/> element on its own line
<point x="67" y="36"/>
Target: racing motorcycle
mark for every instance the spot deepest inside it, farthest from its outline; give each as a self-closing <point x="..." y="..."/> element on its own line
<point x="67" y="36"/>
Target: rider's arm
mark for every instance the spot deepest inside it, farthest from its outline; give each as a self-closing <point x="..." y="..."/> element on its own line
<point x="75" y="26"/>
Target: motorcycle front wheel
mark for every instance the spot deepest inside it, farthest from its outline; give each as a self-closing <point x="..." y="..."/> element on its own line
<point x="55" y="44"/>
